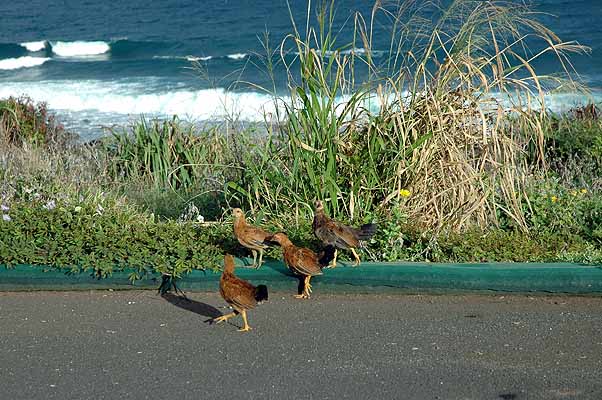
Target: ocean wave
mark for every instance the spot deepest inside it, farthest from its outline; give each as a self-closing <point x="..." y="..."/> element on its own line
<point x="131" y="99"/>
<point x="79" y="48"/>
<point x="34" y="46"/>
<point x="237" y="56"/>
<point x="125" y="97"/>
<point x="187" y="58"/>
<point x="118" y="48"/>
<point x="22" y="62"/>
<point x="193" y="58"/>
<point x="355" y="51"/>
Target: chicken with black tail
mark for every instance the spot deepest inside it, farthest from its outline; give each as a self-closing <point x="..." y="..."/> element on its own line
<point x="240" y="294"/>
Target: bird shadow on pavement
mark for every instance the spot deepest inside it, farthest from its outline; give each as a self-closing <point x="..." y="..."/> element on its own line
<point x="196" y="307"/>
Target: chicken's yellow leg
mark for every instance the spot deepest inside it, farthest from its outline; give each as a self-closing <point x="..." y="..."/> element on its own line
<point x="260" y="258"/>
<point x="306" y="289"/>
<point x="245" y="328"/>
<point x="357" y="258"/>
<point x="254" y="257"/>
<point x="304" y="294"/>
<point x="307" y="285"/>
<point x="333" y="263"/>
<point x="223" y="318"/>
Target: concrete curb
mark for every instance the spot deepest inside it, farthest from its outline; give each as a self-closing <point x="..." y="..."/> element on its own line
<point x="368" y="278"/>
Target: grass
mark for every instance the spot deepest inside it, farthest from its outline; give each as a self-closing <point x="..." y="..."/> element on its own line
<point x="426" y="121"/>
<point x="425" y="147"/>
<point x="169" y="153"/>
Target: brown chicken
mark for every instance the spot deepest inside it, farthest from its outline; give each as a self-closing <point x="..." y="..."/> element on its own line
<point x="302" y="261"/>
<point x="334" y="233"/>
<point x="240" y="294"/>
<point x="251" y="237"/>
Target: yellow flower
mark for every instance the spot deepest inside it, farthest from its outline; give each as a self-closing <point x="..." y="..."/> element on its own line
<point x="405" y="193"/>
<point x="583" y="191"/>
<point x="573" y="193"/>
<point x="554" y="199"/>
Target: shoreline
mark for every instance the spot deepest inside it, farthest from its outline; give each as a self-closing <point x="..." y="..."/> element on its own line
<point x="92" y="124"/>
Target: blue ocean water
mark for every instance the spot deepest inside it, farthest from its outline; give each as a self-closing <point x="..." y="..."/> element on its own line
<point x="101" y="62"/>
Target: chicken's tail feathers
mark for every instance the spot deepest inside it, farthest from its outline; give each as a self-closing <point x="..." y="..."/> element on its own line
<point x="261" y="293"/>
<point x="326" y="255"/>
<point x="367" y="231"/>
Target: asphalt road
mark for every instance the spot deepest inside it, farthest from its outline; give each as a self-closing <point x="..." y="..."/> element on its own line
<point x="136" y="345"/>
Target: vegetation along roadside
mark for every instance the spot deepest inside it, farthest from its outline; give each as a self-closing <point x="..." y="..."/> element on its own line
<point x="435" y="146"/>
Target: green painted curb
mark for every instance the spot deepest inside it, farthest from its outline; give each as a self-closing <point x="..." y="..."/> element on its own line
<point x="368" y="278"/>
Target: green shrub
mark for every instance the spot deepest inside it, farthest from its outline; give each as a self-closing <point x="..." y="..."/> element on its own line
<point x="553" y="208"/>
<point x="100" y="234"/>
<point x="574" y="147"/>
<point x="568" y="137"/>
<point x="509" y="246"/>
<point x="23" y="121"/>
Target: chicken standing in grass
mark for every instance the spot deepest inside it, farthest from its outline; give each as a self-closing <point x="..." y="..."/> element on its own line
<point x="302" y="261"/>
<point x="240" y="294"/>
<point x="251" y="237"/>
<point x="334" y="233"/>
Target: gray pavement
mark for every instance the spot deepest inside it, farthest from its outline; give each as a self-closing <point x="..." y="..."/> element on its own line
<point x="136" y="345"/>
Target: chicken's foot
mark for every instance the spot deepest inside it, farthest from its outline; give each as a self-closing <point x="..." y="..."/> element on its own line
<point x="306" y="289"/>
<point x="307" y="285"/>
<point x="225" y="317"/>
<point x="246" y="327"/>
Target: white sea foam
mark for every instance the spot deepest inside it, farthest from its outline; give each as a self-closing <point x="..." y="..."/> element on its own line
<point x="34" y="46"/>
<point x="187" y="58"/>
<point x="237" y="56"/>
<point x="131" y="99"/>
<point x="355" y="51"/>
<point x="22" y="62"/>
<point x="193" y="58"/>
<point x="79" y="48"/>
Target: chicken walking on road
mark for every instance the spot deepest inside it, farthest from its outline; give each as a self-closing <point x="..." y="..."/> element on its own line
<point x="240" y="294"/>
